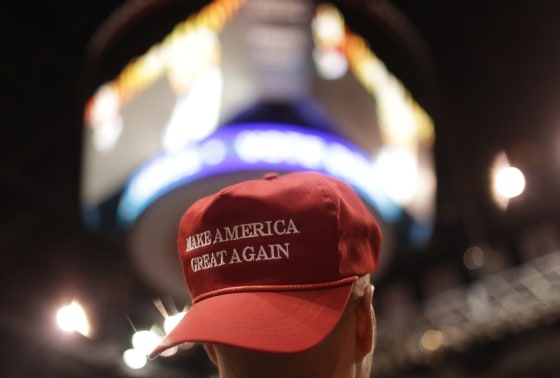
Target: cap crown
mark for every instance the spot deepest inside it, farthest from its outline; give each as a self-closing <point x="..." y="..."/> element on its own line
<point x="295" y="231"/>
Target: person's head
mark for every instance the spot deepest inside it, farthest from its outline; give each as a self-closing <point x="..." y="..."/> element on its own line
<point x="278" y="270"/>
<point x="345" y="352"/>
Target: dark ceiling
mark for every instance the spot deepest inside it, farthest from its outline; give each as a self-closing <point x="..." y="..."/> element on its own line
<point x="496" y="87"/>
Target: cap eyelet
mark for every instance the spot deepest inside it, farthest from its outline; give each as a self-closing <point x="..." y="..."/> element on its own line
<point x="270" y="175"/>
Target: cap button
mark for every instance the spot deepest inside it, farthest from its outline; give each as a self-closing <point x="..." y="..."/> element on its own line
<point x="270" y="175"/>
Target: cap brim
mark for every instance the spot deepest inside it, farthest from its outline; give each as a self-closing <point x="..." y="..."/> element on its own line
<point x="278" y="322"/>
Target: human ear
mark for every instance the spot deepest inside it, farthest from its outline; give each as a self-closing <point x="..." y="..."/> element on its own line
<point x="365" y="324"/>
<point x="211" y="352"/>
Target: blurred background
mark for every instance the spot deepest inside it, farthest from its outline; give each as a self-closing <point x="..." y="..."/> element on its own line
<point x="443" y="116"/>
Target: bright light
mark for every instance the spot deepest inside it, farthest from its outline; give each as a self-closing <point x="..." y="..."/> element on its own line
<point x="328" y="25"/>
<point x="329" y="34"/>
<point x="171" y="321"/>
<point x="432" y="340"/>
<point x="275" y="146"/>
<point x="145" y="341"/>
<point x="213" y="151"/>
<point x="134" y="359"/>
<point x="331" y="64"/>
<point x="197" y="81"/>
<point x="105" y="119"/>
<point x="271" y="147"/>
<point x="196" y="113"/>
<point x="397" y="171"/>
<point x="509" y="182"/>
<point x="72" y="318"/>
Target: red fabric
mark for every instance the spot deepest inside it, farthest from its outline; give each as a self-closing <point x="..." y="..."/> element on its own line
<point x="267" y="256"/>
<point x="267" y="321"/>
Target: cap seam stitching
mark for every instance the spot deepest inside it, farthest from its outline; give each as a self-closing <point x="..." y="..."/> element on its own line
<point x="275" y="288"/>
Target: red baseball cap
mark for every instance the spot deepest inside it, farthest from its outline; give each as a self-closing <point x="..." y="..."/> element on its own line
<point x="270" y="263"/>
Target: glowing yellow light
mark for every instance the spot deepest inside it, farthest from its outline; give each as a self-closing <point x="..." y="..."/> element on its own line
<point x="402" y="121"/>
<point x="172" y="321"/>
<point x="328" y="26"/>
<point x="509" y="182"/>
<point x="432" y="340"/>
<point x="329" y="36"/>
<point x="145" y="341"/>
<point x="134" y="359"/>
<point x="72" y="318"/>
